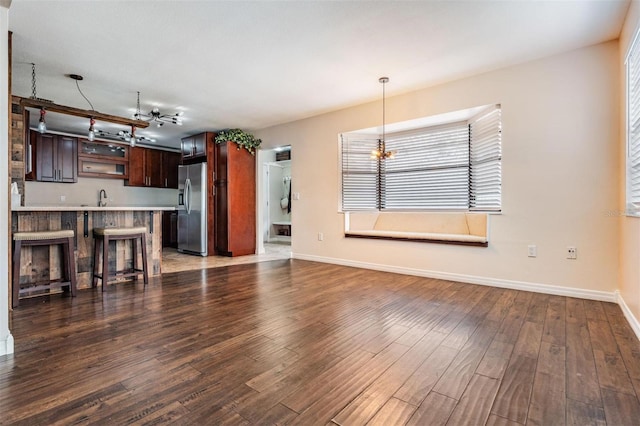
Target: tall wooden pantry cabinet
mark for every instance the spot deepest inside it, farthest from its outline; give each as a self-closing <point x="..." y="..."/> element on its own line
<point x="235" y="200"/>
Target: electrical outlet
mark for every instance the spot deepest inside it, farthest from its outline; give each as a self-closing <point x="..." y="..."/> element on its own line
<point x="63" y="198"/>
<point x="320" y="236"/>
<point x="533" y="250"/>
<point x="572" y="253"/>
<point x="296" y="195"/>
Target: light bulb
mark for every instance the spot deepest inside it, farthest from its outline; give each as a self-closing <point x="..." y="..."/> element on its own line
<point x="42" y="125"/>
<point x="92" y="133"/>
<point x="132" y="139"/>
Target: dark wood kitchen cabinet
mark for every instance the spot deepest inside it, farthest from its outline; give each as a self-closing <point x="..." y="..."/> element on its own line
<point x="153" y="168"/>
<point x="55" y="158"/>
<point x="170" y="229"/>
<point x="195" y="146"/>
<point x="102" y="160"/>
<point x="235" y="200"/>
<point x="170" y="163"/>
<point x="145" y="167"/>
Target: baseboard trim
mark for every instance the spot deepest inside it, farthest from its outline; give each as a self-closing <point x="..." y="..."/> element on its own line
<point x="633" y="321"/>
<point x="602" y="296"/>
<point x="6" y="346"/>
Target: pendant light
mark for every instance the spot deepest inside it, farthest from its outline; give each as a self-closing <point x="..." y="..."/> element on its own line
<point x="42" y="125"/>
<point x="132" y="139"/>
<point x="92" y="132"/>
<point x="381" y="153"/>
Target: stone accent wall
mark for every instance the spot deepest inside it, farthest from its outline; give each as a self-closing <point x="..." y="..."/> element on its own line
<point x="19" y="130"/>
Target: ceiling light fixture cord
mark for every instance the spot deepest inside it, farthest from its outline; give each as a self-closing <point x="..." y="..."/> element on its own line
<point x="34" y="94"/>
<point x="137" y="116"/>
<point x="384" y="82"/>
<point x="85" y="98"/>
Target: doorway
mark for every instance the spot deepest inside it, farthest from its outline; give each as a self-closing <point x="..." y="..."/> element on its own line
<point x="274" y="212"/>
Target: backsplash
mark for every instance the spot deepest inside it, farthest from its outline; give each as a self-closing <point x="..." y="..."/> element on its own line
<point x="86" y="192"/>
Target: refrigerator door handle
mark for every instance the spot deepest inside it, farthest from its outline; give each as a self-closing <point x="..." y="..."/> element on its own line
<point x="187" y="195"/>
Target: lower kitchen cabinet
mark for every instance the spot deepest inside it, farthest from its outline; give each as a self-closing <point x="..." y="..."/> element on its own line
<point x="170" y="229"/>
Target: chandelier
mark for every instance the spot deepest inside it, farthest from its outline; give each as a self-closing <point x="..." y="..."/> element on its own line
<point x="381" y="153"/>
<point x="126" y="136"/>
<point x="157" y="117"/>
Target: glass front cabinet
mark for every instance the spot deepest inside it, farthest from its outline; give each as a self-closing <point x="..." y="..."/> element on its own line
<point x="103" y="159"/>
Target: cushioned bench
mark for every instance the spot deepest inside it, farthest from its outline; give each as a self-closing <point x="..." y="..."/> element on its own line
<point x="433" y="227"/>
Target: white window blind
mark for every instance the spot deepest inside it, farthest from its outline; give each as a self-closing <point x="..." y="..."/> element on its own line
<point x="455" y="166"/>
<point x="359" y="172"/>
<point x="485" y="180"/>
<point x="633" y="128"/>
<point x="431" y="169"/>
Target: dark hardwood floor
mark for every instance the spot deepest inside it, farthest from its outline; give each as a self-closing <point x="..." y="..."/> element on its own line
<point x="295" y="342"/>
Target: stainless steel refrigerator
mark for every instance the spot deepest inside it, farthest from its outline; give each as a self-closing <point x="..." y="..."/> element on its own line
<point x="192" y="209"/>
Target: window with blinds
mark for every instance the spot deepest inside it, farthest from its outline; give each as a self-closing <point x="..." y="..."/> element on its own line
<point x="633" y="128"/>
<point x="360" y="190"/>
<point x="455" y="166"/>
<point x="431" y="169"/>
<point x="485" y="159"/>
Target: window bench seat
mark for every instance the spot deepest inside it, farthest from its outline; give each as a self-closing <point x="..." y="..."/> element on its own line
<point x="430" y="227"/>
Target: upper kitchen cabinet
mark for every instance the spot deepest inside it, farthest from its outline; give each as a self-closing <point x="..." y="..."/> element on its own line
<point x="55" y="158"/>
<point x="153" y="168"/>
<point x="145" y="167"/>
<point x="170" y="163"/>
<point x="195" y="147"/>
<point x="103" y="160"/>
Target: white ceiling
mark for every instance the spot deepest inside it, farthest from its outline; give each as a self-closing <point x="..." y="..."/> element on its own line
<point x="253" y="64"/>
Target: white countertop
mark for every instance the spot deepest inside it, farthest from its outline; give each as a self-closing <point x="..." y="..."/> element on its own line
<point x="70" y="208"/>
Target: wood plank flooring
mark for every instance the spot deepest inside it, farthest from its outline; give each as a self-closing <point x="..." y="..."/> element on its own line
<point x="296" y="342"/>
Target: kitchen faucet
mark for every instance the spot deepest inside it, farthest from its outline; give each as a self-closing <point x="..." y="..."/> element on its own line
<point x="103" y="198"/>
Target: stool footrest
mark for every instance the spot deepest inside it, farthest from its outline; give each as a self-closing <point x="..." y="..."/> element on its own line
<point x="48" y="285"/>
<point x="121" y="274"/>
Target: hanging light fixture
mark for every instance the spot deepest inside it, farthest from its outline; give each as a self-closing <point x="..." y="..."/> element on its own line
<point x="35" y="102"/>
<point x="381" y="153"/>
<point x="42" y="125"/>
<point x="157" y="117"/>
<point x="132" y="138"/>
<point x="92" y="133"/>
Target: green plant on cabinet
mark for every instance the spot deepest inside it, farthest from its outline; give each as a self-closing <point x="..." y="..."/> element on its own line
<point x="241" y="138"/>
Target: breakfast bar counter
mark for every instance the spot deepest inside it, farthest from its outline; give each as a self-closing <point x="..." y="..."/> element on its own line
<point x="36" y="261"/>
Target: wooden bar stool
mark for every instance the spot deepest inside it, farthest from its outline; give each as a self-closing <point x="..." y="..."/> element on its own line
<point x="102" y="236"/>
<point x="45" y="238"/>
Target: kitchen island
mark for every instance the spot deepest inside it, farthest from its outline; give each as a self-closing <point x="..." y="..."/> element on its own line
<point x="43" y="263"/>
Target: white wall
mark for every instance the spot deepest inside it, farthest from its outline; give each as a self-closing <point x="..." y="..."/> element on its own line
<point x="560" y="177"/>
<point x="87" y="189"/>
<point x="630" y="226"/>
<point x="6" y="340"/>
